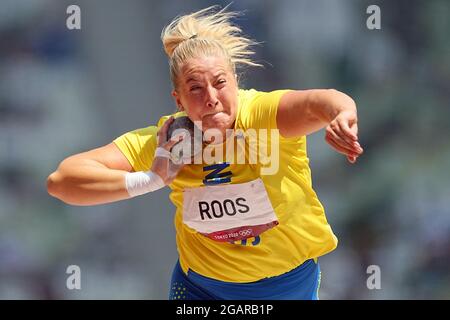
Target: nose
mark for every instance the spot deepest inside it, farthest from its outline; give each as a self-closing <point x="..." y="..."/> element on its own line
<point x="211" y="104"/>
<point x="211" y="98"/>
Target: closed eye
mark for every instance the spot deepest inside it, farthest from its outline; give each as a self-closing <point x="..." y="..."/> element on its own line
<point x="221" y="82"/>
<point x="194" y="88"/>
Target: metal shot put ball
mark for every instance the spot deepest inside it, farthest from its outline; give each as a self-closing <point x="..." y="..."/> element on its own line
<point x="180" y="151"/>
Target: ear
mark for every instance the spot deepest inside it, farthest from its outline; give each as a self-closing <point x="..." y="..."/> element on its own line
<point x="177" y="100"/>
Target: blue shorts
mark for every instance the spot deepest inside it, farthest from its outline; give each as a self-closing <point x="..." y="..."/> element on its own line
<point x="301" y="283"/>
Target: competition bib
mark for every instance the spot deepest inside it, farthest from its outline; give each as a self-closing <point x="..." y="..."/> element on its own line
<point x="229" y="212"/>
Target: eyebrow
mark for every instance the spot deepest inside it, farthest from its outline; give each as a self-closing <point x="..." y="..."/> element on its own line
<point x="194" y="78"/>
<point x="191" y="79"/>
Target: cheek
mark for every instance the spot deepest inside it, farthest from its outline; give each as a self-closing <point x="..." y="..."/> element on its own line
<point x="190" y="105"/>
<point x="230" y="101"/>
<point x="193" y="112"/>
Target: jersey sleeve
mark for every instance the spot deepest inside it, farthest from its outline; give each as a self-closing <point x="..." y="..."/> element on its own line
<point x="259" y="109"/>
<point x="139" y="147"/>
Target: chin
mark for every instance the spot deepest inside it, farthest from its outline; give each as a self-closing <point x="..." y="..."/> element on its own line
<point x="220" y="127"/>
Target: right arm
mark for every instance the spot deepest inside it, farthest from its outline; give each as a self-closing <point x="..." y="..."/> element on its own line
<point x="98" y="176"/>
<point x="93" y="177"/>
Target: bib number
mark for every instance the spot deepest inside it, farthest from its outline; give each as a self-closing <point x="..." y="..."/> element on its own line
<point x="230" y="212"/>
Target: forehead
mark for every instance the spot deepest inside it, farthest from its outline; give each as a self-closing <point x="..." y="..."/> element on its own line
<point x="204" y="66"/>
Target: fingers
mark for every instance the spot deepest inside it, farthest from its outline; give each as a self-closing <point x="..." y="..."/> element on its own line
<point x="351" y="134"/>
<point x="164" y="165"/>
<point x="338" y="138"/>
<point x="339" y="148"/>
<point x="162" y="132"/>
<point x="354" y="129"/>
<point x="173" y="141"/>
<point x="351" y="159"/>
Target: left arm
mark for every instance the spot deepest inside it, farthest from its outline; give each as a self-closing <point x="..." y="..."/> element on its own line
<point x="304" y="112"/>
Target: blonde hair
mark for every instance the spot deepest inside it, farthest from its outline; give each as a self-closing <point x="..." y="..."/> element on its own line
<point x="206" y="32"/>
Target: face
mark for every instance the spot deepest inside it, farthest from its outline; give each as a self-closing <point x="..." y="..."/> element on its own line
<point x="207" y="91"/>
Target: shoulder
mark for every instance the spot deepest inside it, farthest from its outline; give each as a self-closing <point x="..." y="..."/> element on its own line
<point x="166" y="117"/>
<point x="150" y="131"/>
<point x="258" y="108"/>
<point x="143" y="132"/>
<point x="251" y="96"/>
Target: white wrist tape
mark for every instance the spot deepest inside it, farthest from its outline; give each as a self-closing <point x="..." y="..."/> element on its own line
<point x="161" y="152"/>
<point x="138" y="183"/>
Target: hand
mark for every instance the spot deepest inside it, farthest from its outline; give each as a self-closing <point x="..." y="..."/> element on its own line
<point x="342" y="135"/>
<point x="162" y="165"/>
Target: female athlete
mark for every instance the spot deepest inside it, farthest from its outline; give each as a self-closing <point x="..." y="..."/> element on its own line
<point x="251" y="229"/>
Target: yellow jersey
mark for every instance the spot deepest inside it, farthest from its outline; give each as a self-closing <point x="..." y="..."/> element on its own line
<point x="302" y="231"/>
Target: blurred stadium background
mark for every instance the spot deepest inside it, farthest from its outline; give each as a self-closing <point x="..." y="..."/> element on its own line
<point x="63" y="92"/>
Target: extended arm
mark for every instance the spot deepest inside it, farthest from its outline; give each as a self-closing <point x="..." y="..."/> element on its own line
<point x="93" y="177"/>
<point x="103" y="175"/>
